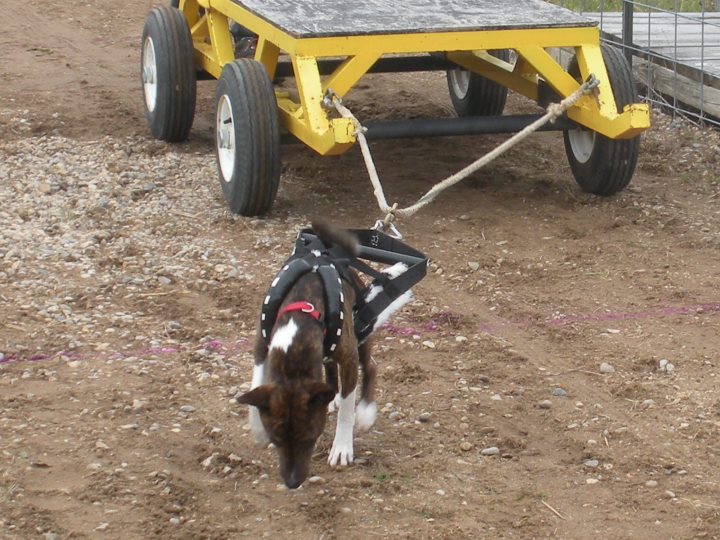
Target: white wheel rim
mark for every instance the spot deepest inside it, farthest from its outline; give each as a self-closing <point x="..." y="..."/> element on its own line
<point x="460" y="82"/>
<point x="582" y="142"/>
<point x="225" y="137"/>
<point x="149" y="74"/>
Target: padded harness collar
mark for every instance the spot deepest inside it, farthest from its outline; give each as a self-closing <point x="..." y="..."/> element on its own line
<point x="332" y="264"/>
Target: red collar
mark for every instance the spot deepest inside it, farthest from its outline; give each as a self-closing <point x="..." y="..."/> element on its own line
<point x="305" y="307"/>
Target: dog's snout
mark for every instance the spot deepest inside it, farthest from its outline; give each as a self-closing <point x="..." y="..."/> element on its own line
<point x="294" y="480"/>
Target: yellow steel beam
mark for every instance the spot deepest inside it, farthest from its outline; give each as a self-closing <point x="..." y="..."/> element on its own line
<point x="497" y="70"/>
<point x="590" y="61"/>
<point x="349" y="73"/>
<point x="267" y="54"/>
<point x="549" y="69"/>
<point x="191" y="10"/>
<point x="443" y="41"/>
<point x="219" y="29"/>
<point x="307" y="77"/>
<point x="338" y="138"/>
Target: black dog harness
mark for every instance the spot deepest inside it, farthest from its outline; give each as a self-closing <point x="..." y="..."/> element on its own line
<point x="332" y="264"/>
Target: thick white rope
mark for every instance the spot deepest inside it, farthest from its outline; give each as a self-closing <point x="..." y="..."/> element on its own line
<point x="554" y="111"/>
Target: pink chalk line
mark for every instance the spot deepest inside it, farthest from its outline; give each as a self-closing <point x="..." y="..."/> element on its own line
<point x="437" y="323"/>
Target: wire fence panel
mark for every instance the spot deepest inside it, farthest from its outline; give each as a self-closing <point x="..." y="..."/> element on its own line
<point x="674" y="47"/>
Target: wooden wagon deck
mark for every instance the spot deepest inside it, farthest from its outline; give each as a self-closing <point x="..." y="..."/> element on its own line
<point x="326" y="18"/>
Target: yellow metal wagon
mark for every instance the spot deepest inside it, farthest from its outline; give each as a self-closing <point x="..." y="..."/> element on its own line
<point x="485" y="46"/>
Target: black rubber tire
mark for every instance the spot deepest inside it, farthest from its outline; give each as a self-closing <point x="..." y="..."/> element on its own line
<point x="171" y="115"/>
<point x="250" y="184"/>
<point x="484" y="97"/>
<point x="610" y="165"/>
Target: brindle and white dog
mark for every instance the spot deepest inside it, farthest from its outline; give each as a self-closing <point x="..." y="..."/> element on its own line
<point x="291" y="391"/>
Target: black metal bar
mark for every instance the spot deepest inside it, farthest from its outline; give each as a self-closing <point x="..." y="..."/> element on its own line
<point x="392" y="64"/>
<point x="470" y="125"/>
<point x="627" y="29"/>
<point x="379" y="255"/>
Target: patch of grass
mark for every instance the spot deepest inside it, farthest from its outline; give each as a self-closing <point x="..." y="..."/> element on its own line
<point x="382" y="477"/>
<point x="616" y="5"/>
<point x="8" y="491"/>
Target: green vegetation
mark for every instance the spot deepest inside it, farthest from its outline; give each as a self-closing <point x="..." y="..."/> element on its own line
<point x="616" y="5"/>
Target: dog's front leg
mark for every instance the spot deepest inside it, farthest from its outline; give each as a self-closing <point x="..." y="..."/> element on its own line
<point x="256" y="426"/>
<point x="342" y="448"/>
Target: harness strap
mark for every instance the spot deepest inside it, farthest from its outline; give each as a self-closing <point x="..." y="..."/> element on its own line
<point x="334" y="301"/>
<point x="286" y="278"/>
<point x="367" y="313"/>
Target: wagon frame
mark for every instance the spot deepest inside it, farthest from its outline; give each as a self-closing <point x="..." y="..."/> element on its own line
<point x="336" y="59"/>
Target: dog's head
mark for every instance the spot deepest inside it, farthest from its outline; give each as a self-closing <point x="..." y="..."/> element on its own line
<point x="294" y="417"/>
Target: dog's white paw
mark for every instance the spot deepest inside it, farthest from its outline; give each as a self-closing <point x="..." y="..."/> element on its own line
<point x="341" y="454"/>
<point x="256" y="427"/>
<point x="365" y="415"/>
<point x="334" y="404"/>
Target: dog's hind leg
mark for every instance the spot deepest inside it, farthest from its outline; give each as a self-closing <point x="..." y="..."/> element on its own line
<point x="367" y="408"/>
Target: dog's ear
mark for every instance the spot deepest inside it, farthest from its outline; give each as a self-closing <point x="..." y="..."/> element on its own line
<point x="320" y="394"/>
<point x="257" y="397"/>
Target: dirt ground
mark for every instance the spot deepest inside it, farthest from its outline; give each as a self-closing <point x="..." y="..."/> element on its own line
<point x="116" y="420"/>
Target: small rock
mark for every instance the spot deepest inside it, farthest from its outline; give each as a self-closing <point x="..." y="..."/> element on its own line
<point x="395" y="415"/>
<point x="51" y="536"/>
<point x="559" y="392"/>
<point x="429" y="344"/>
<point x="316" y="480"/>
<point x="666" y="366"/>
<point x="102" y="526"/>
<point x="208" y="461"/>
<point x="175" y="521"/>
<point x="425" y="417"/>
<point x="187" y="408"/>
<point x="138" y="404"/>
<point x="669" y="494"/>
<point x="441" y="492"/>
<point x="474" y="266"/>
<point x="101" y="445"/>
<point x="651" y="483"/>
<point x="591" y="481"/>
<point x="496" y="397"/>
<point x="491" y="451"/>
<point x="606" y="368"/>
<point x="591" y="463"/>
<point x="545" y="404"/>
<point x="648" y="403"/>
<point x="466" y="446"/>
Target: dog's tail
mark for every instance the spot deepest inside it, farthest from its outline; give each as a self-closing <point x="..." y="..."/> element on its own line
<point x="331" y="235"/>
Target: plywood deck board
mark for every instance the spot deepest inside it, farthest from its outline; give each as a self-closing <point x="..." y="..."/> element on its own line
<point x="326" y="18"/>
